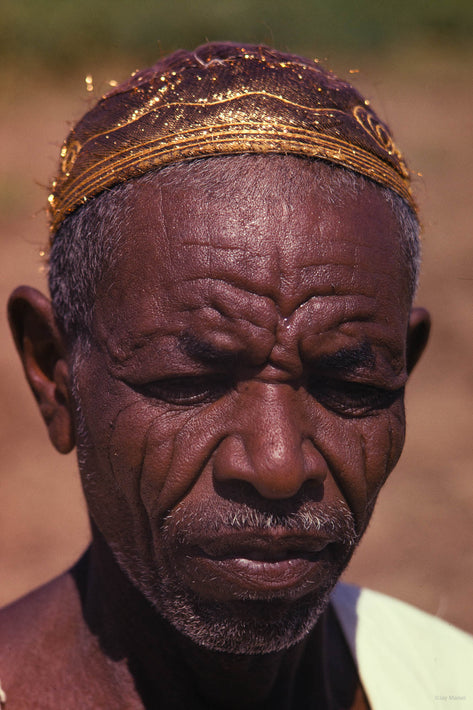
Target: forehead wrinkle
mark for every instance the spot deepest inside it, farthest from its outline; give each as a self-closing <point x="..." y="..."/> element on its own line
<point x="342" y="309"/>
<point x="240" y="258"/>
<point x="315" y="248"/>
<point x="259" y="298"/>
<point x="343" y="258"/>
<point x="208" y="245"/>
<point x="339" y="278"/>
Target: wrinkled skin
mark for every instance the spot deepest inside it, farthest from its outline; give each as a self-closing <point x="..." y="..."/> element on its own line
<point x="249" y="351"/>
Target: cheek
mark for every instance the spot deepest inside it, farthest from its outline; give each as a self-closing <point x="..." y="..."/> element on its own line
<point x="138" y="459"/>
<point x="111" y="460"/>
<point x="177" y="455"/>
<point x="382" y="446"/>
<point x="360" y="454"/>
<point x="148" y="456"/>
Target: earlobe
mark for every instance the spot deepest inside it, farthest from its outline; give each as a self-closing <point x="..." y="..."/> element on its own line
<point x="417" y="336"/>
<point x="43" y="354"/>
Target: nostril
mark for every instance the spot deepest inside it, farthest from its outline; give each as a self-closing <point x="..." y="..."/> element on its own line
<point x="245" y="494"/>
<point x="315" y="465"/>
<point x="231" y="460"/>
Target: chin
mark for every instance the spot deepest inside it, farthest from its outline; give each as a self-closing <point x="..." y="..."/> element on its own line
<point x="249" y="627"/>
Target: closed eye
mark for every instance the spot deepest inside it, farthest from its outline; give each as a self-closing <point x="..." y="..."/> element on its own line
<point x="352" y="399"/>
<point x="186" y="390"/>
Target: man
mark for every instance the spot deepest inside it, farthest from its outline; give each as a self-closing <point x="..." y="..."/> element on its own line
<point x="234" y="254"/>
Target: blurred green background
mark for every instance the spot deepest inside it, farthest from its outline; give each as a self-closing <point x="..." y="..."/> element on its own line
<point x="59" y="35"/>
<point x="413" y="59"/>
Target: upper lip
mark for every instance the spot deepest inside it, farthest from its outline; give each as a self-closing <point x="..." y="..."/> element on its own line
<point x="258" y="545"/>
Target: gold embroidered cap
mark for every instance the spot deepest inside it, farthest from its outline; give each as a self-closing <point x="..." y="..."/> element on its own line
<point x="223" y="99"/>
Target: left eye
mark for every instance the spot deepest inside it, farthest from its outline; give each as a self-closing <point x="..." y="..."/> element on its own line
<point x="186" y="390"/>
<point x="354" y="399"/>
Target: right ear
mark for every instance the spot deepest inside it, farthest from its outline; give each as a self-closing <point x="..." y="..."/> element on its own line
<point x="44" y="356"/>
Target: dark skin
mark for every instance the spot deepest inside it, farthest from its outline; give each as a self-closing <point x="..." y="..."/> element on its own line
<point x="245" y="351"/>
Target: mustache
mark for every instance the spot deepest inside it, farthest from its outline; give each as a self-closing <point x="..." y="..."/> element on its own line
<point x="332" y="520"/>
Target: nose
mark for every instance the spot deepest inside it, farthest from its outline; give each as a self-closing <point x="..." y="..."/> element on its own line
<point x="270" y="446"/>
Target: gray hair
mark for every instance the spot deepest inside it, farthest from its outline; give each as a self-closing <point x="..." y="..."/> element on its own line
<point x="85" y="244"/>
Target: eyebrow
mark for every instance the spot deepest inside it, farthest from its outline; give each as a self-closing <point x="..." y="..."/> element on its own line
<point x="348" y="359"/>
<point x="203" y="351"/>
<point x="344" y="360"/>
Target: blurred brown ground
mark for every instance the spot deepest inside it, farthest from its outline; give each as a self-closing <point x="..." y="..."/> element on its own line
<point x="419" y="546"/>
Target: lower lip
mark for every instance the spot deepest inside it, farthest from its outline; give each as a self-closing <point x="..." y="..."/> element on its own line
<point x="239" y="577"/>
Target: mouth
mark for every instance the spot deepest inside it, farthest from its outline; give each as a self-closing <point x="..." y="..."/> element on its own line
<point x="256" y="565"/>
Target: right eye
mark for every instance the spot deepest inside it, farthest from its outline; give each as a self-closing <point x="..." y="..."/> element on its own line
<point x="352" y="399"/>
<point x="186" y="390"/>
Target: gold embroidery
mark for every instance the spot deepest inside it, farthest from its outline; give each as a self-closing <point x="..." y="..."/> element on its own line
<point x="69" y="153"/>
<point x="221" y="100"/>
<point x="370" y="122"/>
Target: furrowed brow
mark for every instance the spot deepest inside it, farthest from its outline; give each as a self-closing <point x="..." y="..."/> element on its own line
<point x="349" y="359"/>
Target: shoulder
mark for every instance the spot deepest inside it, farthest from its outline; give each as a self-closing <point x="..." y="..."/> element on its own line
<point x="404" y="655"/>
<point x="31" y="617"/>
<point x="49" y="657"/>
<point x="35" y="632"/>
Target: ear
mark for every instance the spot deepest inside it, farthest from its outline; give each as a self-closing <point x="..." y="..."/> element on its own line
<point x="417" y="336"/>
<point x="43" y="353"/>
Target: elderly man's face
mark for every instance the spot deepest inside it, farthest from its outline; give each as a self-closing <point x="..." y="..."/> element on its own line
<point x="242" y="401"/>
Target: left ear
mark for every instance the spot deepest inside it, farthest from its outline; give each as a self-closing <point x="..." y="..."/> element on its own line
<point x="417" y="336"/>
